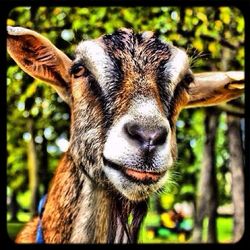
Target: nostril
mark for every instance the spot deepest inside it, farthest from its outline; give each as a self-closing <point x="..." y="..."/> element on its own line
<point x="160" y="136"/>
<point x="147" y="137"/>
<point x="133" y="131"/>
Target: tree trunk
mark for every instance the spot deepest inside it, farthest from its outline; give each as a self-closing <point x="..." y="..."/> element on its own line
<point x="33" y="169"/>
<point x="211" y="128"/>
<point x="44" y="174"/>
<point x="13" y="206"/>
<point x="207" y="192"/>
<point x="236" y="165"/>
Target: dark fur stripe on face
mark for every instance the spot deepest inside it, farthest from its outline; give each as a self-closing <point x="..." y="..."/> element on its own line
<point x="140" y="50"/>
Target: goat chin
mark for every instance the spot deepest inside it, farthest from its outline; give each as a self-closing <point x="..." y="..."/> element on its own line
<point x="135" y="185"/>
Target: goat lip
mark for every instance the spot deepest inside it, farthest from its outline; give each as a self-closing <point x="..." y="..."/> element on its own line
<point x="145" y="177"/>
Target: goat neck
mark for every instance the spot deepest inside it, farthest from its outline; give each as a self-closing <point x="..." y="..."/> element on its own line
<point x="80" y="211"/>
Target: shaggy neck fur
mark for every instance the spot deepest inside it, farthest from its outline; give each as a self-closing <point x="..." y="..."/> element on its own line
<point x="80" y="211"/>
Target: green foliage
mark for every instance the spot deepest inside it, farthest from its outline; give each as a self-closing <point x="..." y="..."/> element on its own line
<point x="208" y="34"/>
<point x="224" y="227"/>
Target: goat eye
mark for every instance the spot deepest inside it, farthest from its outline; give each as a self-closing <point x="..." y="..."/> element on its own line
<point x="78" y="71"/>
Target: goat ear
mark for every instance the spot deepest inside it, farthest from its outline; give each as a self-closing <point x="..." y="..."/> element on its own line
<point x="212" y="88"/>
<point x="38" y="57"/>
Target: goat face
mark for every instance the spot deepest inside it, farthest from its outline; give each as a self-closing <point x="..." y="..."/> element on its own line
<point x="125" y="91"/>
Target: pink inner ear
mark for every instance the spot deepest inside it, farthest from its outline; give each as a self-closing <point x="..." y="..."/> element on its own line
<point x="38" y="57"/>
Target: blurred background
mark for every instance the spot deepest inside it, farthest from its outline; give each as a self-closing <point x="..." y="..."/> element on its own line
<point x="205" y="200"/>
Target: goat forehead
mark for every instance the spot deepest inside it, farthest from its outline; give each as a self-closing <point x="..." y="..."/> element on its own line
<point x="124" y="51"/>
<point x="141" y="53"/>
<point x="146" y="52"/>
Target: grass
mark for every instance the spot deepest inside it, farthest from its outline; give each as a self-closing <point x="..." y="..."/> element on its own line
<point x="13" y="228"/>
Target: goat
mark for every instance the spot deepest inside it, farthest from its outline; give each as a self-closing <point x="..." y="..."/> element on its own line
<point x="125" y="91"/>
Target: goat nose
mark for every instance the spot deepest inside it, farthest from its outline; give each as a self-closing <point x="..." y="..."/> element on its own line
<point x="147" y="138"/>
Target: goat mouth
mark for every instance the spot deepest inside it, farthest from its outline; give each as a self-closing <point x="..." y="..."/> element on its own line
<point x="135" y="175"/>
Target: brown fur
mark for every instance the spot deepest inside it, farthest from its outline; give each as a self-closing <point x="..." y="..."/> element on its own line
<point x="28" y="233"/>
